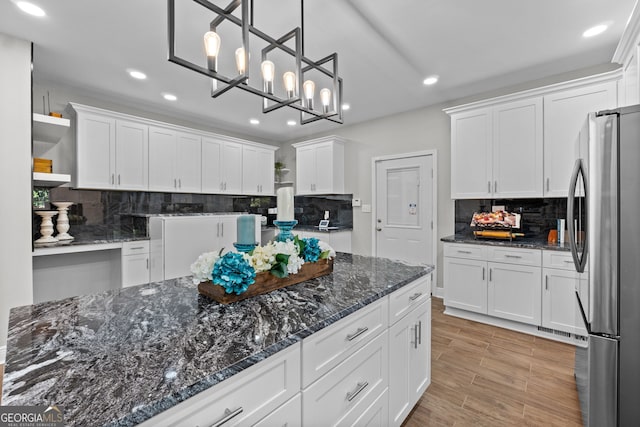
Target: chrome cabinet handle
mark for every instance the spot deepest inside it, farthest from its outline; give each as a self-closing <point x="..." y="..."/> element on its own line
<point x="482" y="273"/>
<point x="179" y="183"/>
<point x="419" y="331"/>
<point x="464" y="252"/>
<point x="137" y="247"/>
<point x="147" y="263"/>
<point x="488" y="186"/>
<point x="546" y="282"/>
<point x="490" y="270"/>
<point x="175" y="183"/>
<point x="415" y="296"/>
<point x="359" y="387"/>
<point x="225" y="186"/>
<point x="547" y="184"/>
<point x="357" y="333"/>
<point x="495" y="186"/>
<point x="228" y="415"/>
<point x="415" y="336"/>
<point x="222" y="229"/>
<point x="118" y="179"/>
<point x="513" y="256"/>
<point x="113" y="179"/>
<point x="218" y="230"/>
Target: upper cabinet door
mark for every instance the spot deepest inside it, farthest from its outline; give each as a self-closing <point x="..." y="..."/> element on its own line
<point x="132" y="150"/>
<point x="266" y="159"/>
<point x="189" y="163"/>
<point x="517" y="149"/>
<point x="250" y="170"/>
<point x="95" y="151"/>
<point x="232" y="168"/>
<point x="324" y="180"/>
<point x="564" y="114"/>
<point x="162" y="154"/>
<point x="471" y="158"/>
<point x="211" y="165"/>
<point x="305" y="170"/>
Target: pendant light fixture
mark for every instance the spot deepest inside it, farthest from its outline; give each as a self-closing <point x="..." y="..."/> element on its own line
<point x="274" y="96"/>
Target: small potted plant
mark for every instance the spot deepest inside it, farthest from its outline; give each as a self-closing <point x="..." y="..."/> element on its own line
<point x="278" y="167"/>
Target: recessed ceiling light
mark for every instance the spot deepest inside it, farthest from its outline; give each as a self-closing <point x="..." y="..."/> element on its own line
<point x="594" y="31"/>
<point x="137" y="74"/>
<point x="345" y="107"/>
<point x="291" y="122"/>
<point x="170" y="97"/>
<point x="30" y="8"/>
<point x="430" y="80"/>
<point x="254" y="121"/>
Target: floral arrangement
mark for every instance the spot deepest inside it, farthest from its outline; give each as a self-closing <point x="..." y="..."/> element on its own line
<point x="235" y="272"/>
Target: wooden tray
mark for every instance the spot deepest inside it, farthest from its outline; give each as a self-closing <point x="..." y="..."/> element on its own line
<point x="267" y="282"/>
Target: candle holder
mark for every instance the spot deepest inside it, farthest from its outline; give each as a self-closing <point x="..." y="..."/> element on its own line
<point x="62" y="224"/>
<point x="243" y="247"/>
<point x="285" y="230"/>
<point x="46" y="227"/>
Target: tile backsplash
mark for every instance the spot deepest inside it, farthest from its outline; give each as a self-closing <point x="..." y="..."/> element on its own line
<point x="120" y="212"/>
<point x="538" y="215"/>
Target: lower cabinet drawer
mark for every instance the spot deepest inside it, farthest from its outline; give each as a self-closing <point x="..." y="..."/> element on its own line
<point x="326" y="348"/>
<point x="518" y="256"/>
<point x="288" y="415"/>
<point x="344" y="394"/>
<point x="247" y="398"/>
<point x="406" y="298"/>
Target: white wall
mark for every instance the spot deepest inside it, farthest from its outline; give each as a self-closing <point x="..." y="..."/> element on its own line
<point x="418" y="130"/>
<point x="15" y="175"/>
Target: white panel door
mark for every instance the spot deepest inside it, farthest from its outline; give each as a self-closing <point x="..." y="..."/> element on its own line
<point x="135" y="270"/>
<point x="189" y="163"/>
<point x="514" y="292"/>
<point x="404" y="209"/>
<point x="517" y="149"/>
<point x="162" y="159"/>
<point x="132" y="156"/>
<point x="465" y="284"/>
<point x="96" y="139"/>
<point x="211" y="166"/>
<point x="471" y="158"/>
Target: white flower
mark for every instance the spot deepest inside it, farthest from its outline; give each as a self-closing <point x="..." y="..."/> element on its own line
<point x="203" y="267"/>
<point x="325" y="247"/>
<point x="289" y="248"/>
<point x="263" y="258"/>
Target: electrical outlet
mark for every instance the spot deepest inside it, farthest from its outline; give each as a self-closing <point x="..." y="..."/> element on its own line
<point x="356" y="203"/>
<point x="366" y="208"/>
<point x="272" y="211"/>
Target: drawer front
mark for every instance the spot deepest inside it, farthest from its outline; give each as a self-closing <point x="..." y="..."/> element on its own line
<point x="325" y="349"/>
<point x="288" y="415"/>
<point x="135" y="248"/>
<point x="405" y="299"/>
<point x="531" y="257"/>
<point x="457" y="250"/>
<point x="345" y="393"/>
<point x="559" y="259"/>
<point x="250" y="395"/>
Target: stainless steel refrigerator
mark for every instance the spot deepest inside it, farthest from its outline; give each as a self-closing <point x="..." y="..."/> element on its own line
<point x="604" y="232"/>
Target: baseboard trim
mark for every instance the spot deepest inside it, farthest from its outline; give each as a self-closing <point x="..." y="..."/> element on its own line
<point x="438" y="293"/>
<point x="3" y="354"/>
<point x="514" y="326"/>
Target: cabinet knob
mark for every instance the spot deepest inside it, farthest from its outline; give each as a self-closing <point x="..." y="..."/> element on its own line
<point x="378" y="229"/>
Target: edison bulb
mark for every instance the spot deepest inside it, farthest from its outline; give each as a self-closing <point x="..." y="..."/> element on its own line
<point x="289" y="79"/>
<point x="211" y="44"/>
<point x="268" y="72"/>
<point x="325" y="98"/>
<point x="309" y="88"/>
<point x="241" y="62"/>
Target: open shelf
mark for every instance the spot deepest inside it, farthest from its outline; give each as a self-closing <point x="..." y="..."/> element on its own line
<point x="49" y="128"/>
<point x="50" y="179"/>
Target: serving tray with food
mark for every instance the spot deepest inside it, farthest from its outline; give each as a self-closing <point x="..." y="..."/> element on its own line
<point x="496" y="225"/>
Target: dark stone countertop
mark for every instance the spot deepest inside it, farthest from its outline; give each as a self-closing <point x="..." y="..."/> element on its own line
<point x="121" y="357"/>
<point x="331" y="229"/>
<point x="99" y="235"/>
<point x="520" y="242"/>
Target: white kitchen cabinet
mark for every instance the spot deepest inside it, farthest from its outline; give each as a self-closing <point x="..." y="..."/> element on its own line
<point x="514" y="292"/>
<point x="320" y="166"/>
<point x="221" y="166"/>
<point x="245" y="399"/>
<point x="287" y="415"/>
<point x="174" y="161"/>
<point x="409" y="361"/>
<point x="111" y="153"/>
<point x="565" y="112"/>
<point x="496" y="151"/>
<point x="561" y="281"/>
<point x="517" y="149"/>
<point x="135" y="263"/>
<point x="257" y="171"/>
<point x="465" y="277"/>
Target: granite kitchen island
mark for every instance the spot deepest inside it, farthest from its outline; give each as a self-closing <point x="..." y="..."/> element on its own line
<point x="122" y="357"/>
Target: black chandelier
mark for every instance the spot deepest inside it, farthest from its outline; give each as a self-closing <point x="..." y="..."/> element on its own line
<point x="274" y="96"/>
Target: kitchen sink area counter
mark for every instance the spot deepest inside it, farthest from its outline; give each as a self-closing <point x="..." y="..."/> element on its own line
<point x="123" y="356"/>
<point x="520" y="242"/>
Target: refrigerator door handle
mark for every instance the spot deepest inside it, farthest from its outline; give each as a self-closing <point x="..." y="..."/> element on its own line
<point x="579" y="261"/>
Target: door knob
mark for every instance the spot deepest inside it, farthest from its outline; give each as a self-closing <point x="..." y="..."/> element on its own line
<point x="379" y="229"/>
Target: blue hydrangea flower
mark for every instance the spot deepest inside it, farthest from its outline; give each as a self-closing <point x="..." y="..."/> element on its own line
<point x="234" y="273"/>
<point x="312" y="250"/>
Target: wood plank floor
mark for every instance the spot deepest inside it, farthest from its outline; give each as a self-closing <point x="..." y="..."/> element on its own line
<point x="488" y="376"/>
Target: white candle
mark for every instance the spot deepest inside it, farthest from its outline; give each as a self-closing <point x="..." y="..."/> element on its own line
<point x="285" y="204"/>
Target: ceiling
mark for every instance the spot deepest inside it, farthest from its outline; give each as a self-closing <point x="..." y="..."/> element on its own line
<point x="386" y="49"/>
